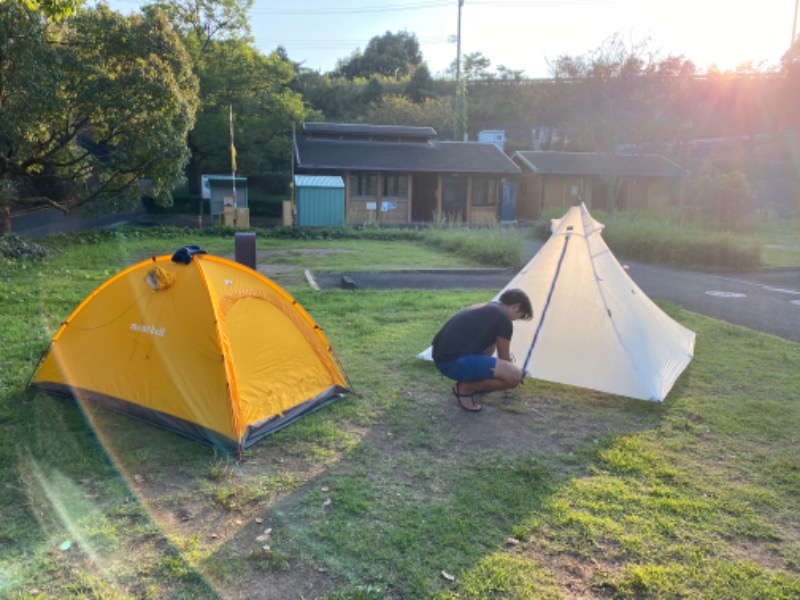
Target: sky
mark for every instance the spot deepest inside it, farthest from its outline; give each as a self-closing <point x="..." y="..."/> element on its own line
<point x="525" y="34"/>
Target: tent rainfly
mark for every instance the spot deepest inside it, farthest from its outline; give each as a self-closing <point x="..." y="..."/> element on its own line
<point x="196" y="344"/>
<point x="592" y="325"/>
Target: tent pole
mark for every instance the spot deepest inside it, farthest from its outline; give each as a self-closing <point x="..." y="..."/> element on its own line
<point x="546" y="304"/>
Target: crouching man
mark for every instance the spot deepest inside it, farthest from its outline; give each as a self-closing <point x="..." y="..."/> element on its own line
<point x="464" y="347"/>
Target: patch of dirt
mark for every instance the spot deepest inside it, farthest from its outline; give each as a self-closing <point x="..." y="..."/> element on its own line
<point x="269" y="263"/>
<point x="177" y="502"/>
<point x="527" y="420"/>
<point x="577" y="579"/>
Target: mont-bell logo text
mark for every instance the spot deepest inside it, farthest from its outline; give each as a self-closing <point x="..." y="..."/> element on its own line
<point x="159" y="331"/>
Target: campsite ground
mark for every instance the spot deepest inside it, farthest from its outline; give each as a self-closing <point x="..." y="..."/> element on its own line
<point x="549" y="430"/>
<point x="549" y="492"/>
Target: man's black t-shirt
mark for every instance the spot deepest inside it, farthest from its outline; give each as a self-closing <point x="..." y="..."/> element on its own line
<point x="471" y="331"/>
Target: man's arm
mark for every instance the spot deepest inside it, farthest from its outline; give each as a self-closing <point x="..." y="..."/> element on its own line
<point x="504" y="349"/>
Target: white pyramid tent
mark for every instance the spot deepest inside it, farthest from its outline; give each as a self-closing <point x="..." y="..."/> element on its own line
<point x="592" y="325"/>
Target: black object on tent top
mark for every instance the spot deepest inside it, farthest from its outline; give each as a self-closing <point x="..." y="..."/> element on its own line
<point x="185" y="254"/>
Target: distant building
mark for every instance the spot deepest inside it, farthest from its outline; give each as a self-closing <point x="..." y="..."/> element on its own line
<point x="493" y="136"/>
<point x="558" y="179"/>
<point x="397" y="174"/>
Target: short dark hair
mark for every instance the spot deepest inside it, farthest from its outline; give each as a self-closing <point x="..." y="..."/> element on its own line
<point x="517" y="296"/>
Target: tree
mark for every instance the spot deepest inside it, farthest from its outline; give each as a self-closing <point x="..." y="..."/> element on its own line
<point x="475" y="66"/>
<point x="393" y="55"/>
<point x="725" y="197"/>
<point x="92" y="107"/>
<point x="506" y="74"/>
<point x="335" y="98"/>
<point x="233" y="74"/>
<point x="373" y="90"/>
<point x="790" y="100"/>
<point x="54" y="10"/>
<point x="202" y="22"/>
<point x="401" y="110"/>
<point x="420" y="86"/>
<point x="790" y="90"/>
<point x="618" y="95"/>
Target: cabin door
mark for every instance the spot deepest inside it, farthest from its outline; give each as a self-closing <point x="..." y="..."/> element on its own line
<point x="454" y="199"/>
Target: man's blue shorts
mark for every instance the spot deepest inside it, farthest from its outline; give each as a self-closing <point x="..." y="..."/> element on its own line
<point x="472" y="367"/>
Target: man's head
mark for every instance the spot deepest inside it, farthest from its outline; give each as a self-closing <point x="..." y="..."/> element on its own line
<point x="517" y="298"/>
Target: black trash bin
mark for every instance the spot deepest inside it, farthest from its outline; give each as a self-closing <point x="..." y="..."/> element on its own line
<point x="245" y="247"/>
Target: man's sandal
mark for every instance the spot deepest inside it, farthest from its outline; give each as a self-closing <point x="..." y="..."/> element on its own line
<point x="474" y="408"/>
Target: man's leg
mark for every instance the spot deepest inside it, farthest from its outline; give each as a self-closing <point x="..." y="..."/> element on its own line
<point x="506" y="375"/>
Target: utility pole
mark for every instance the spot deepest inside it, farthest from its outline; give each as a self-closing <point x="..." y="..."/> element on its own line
<point x="460" y="132"/>
<point x="458" y="43"/>
<point x="794" y="24"/>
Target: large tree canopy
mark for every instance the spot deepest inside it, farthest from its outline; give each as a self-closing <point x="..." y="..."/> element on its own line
<point x="401" y="110"/>
<point x="391" y="55"/>
<point x="206" y="21"/>
<point x="92" y="107"/>
<point x="620" y="94"/>
<point x="234" y="77"/>
<point x="55" y="10"/>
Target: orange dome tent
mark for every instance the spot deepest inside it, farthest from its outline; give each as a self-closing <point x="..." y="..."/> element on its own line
<point x="197" y="344"/>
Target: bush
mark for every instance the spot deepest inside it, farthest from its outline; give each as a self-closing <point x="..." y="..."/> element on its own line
<point x="725" y="197"/>
<point x="15" y="247"/>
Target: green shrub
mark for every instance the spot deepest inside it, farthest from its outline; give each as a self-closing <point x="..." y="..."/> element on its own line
<point x="15" y="247"/>
<point x="723" y="196"/>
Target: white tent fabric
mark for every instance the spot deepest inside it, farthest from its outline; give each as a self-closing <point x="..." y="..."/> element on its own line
<point x="592" y="326"/>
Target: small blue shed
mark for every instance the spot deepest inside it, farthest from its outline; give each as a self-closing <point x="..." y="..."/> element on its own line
<point x="319" y="200"/>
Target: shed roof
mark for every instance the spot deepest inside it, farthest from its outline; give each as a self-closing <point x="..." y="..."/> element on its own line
<point x="224" y="180"/>
<point x="431" y="157"/>
<point x="318" y="181"/>
<point x="366" y="130"/>
<point x="597" y="163"/>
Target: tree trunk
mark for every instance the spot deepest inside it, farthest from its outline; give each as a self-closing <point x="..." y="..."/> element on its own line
<point x="5" y="220"/>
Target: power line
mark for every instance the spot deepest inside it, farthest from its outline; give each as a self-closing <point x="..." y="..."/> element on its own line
<point x="500" y="4"/>
<point x="333" y="10"/>
<point x="334" y="43"/>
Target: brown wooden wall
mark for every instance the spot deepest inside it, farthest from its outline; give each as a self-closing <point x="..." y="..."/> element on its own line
<point x="539" y="193"/>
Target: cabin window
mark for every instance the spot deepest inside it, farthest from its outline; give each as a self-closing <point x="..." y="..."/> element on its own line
<point x="484" y="191"/>
<point x="395" y="186"/>
<point x="363" y="185"/>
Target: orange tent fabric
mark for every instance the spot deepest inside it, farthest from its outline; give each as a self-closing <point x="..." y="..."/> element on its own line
<point x="210" y="349"/>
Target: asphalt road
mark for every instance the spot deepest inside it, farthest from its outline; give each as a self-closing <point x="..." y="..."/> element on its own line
<point x="49" y="221"/>
<point x="764" y="301"/>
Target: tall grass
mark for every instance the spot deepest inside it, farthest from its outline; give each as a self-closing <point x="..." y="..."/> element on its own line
<point x="673" y="240"/>
<point x="491" y="244"/>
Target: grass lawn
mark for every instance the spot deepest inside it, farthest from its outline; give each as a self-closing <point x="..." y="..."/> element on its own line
<point x="394" y="492"/>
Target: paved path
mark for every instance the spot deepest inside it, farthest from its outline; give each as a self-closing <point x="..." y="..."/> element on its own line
<point x="768" y="301"/>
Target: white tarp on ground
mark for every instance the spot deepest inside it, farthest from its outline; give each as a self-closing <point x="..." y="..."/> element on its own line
<point x="592" y="325"/>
